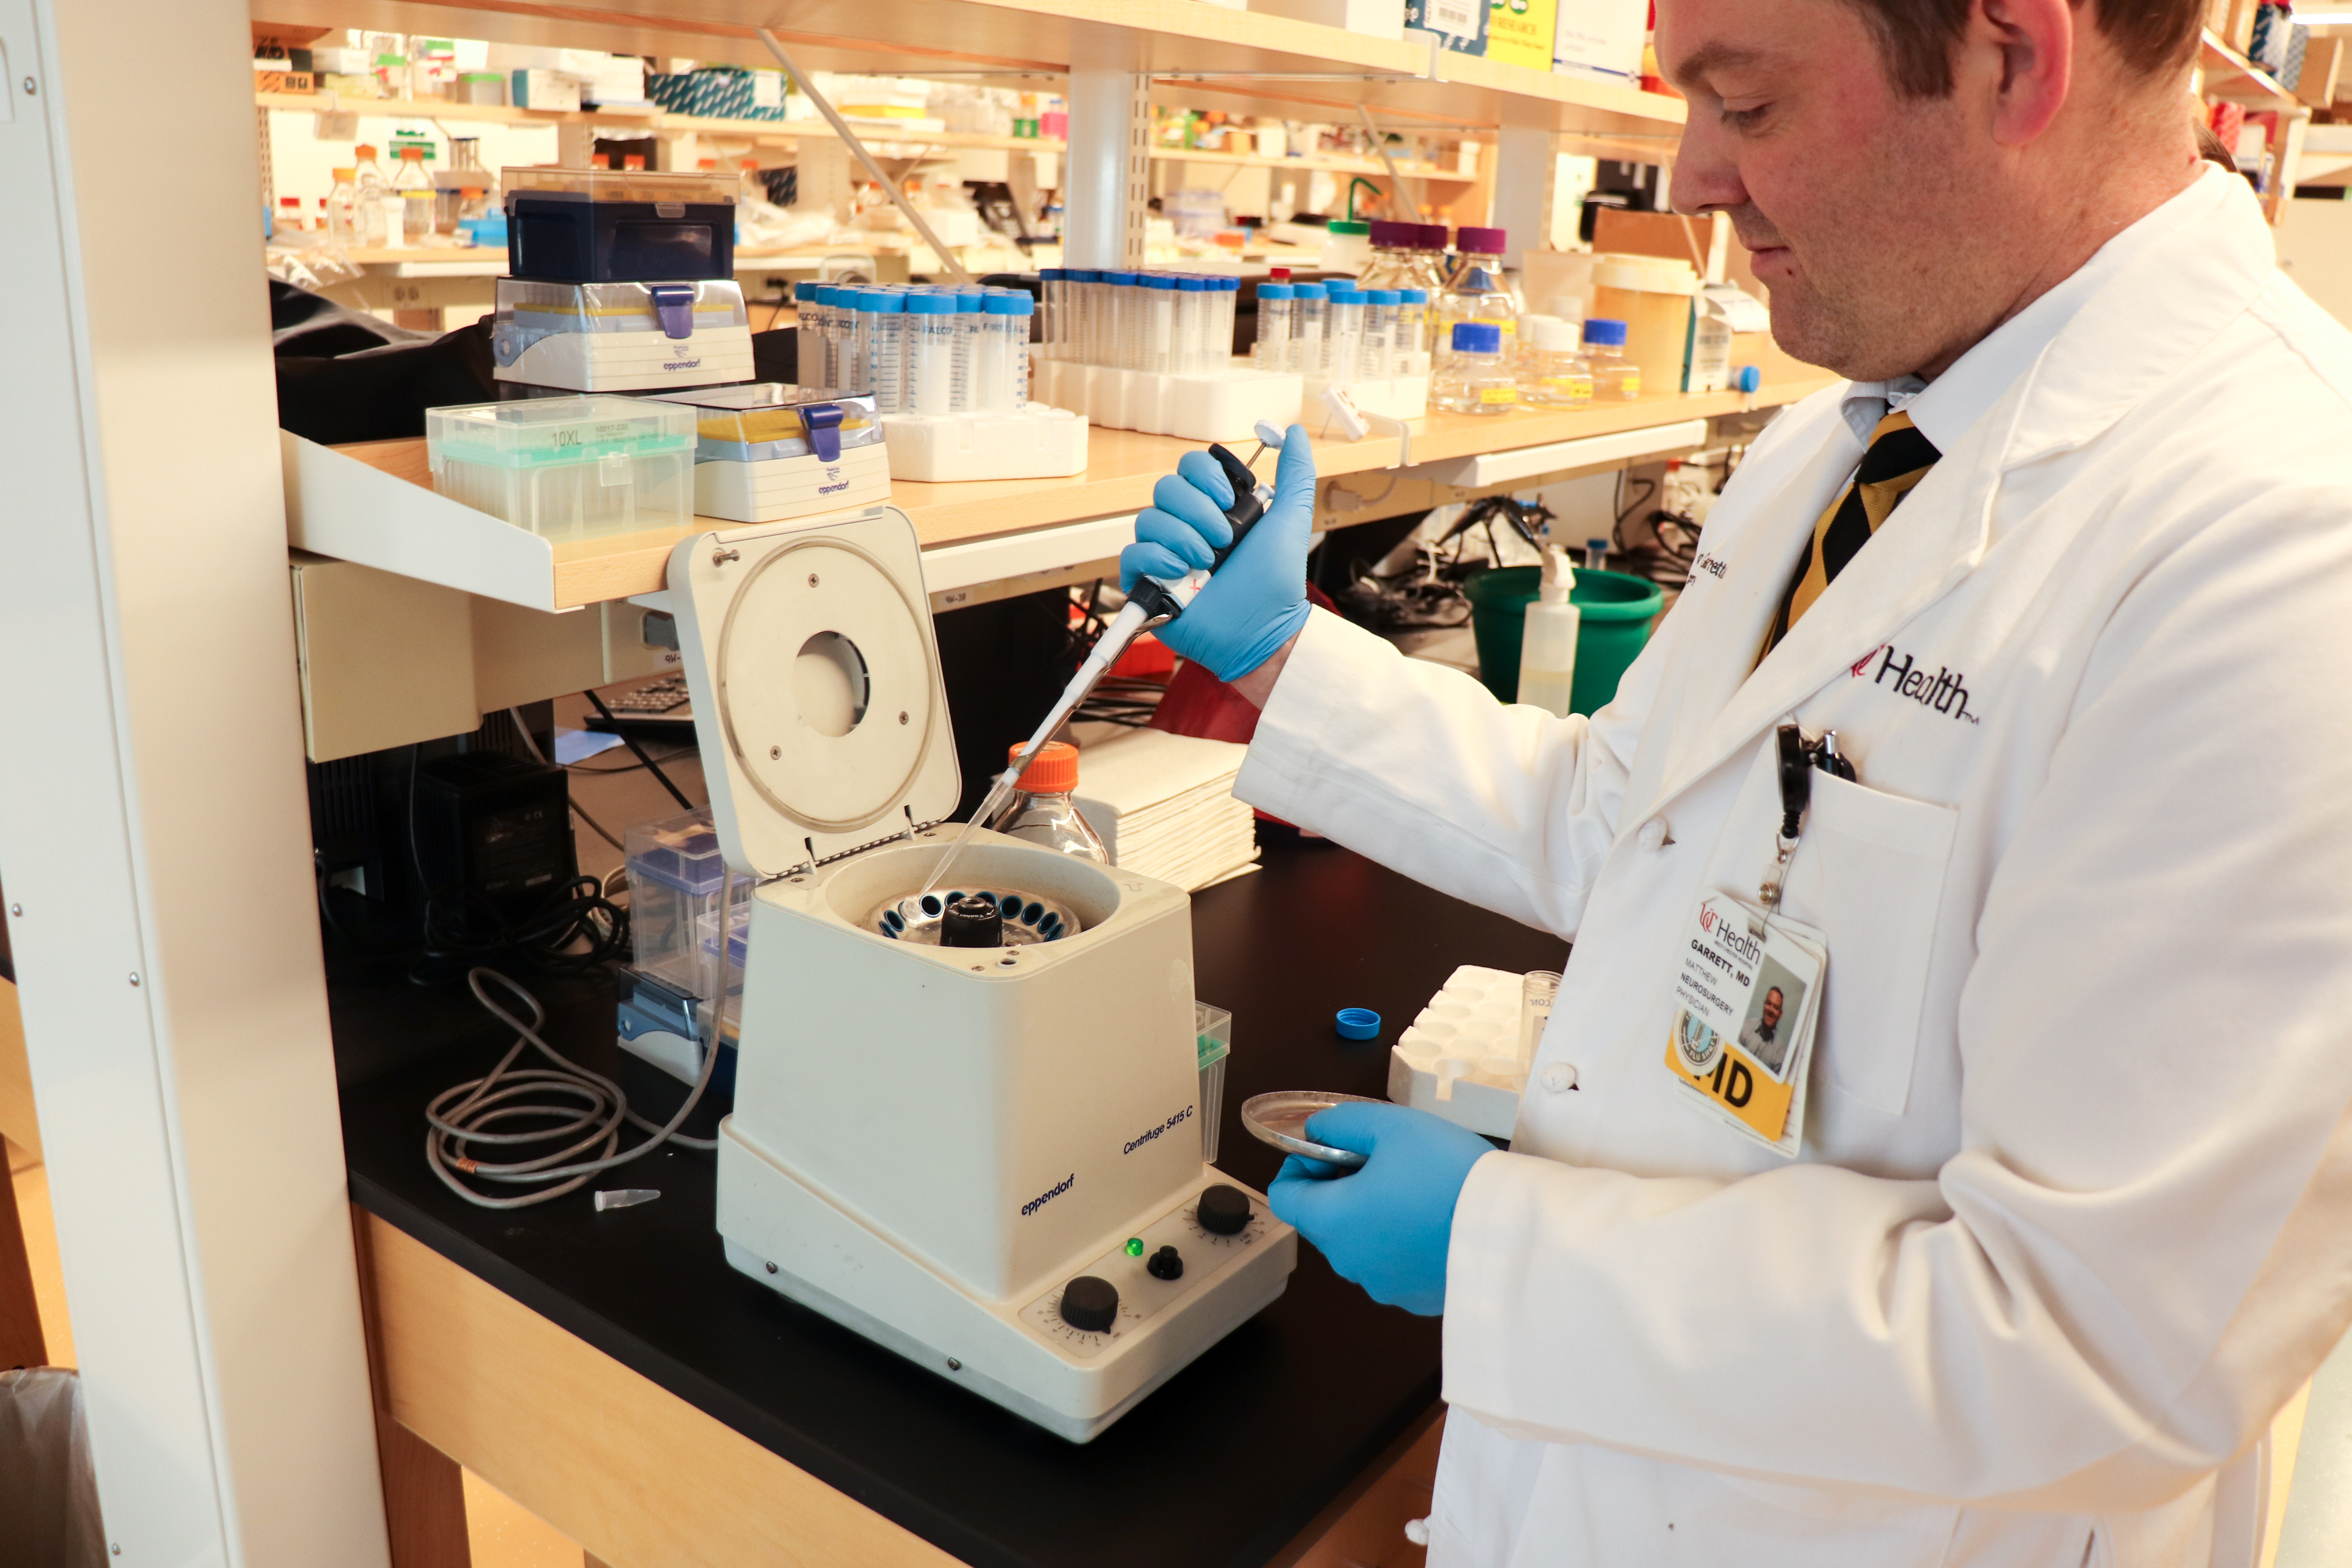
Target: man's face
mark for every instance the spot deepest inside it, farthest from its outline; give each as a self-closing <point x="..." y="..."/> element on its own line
<point x="1866" y="211"/>
<point x="1771" y="1010"/>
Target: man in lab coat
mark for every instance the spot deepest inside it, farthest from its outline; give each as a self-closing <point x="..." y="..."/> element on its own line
<point x="2067" y="566"/>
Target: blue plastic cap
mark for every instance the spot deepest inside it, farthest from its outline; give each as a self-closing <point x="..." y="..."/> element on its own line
<point x="1161" y="280"/>
<point x="931" y="304"/>
<point x="1309" y="291"/>
<point x="1412" y="296"/>
<point x="1748" y="378"/>
<point x="882" y="302"/>
<point x="1081" y="275"/>
<point x="1228" y="284"/>
<point x="1275" y="291"/>
<point x="1477" y="338"/>
<point x="1051" y="274"/>
<point x="1192" y="285"/>
<point x="1381" y="296"/>
<point x="1358" y="1024"/>
<point x="1123" y="279"/>
<point x="971" y="300"/>
<point x="1342" y="294"/>
<point x="1605" y="332"/>
<point x="1015" y="304"/>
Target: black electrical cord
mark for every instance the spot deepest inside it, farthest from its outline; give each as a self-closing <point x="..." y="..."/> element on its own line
<point x="642" y="755"/>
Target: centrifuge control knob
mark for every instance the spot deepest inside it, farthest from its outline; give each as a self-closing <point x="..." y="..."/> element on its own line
<point x="1165" y="1264"/>
<point x="1090" y="1304"/>
<point x="971" y="922"/>
<point x="1225" y="1211"/>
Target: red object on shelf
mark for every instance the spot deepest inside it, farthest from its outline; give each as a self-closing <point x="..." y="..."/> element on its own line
<point x="1198" y="703"/>
<point x="1146" y="658"/>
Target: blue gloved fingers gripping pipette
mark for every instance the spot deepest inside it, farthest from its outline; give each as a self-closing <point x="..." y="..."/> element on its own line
<point x="1150" y="603"/>
<point x="1163" y="602"/>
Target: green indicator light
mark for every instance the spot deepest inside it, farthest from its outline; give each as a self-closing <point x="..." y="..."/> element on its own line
<point x="1135" y="1247"/>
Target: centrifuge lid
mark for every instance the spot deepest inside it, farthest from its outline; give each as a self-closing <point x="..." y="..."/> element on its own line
<point x="812" y="647"/>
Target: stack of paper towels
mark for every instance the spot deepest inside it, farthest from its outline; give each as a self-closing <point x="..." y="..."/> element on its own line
<point x="1164" y="805"/>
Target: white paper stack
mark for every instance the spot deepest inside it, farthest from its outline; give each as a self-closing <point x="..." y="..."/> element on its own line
<point x="1164" y="805"/>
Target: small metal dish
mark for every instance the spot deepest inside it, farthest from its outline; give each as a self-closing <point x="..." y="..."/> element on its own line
<point x="1028" y="919"/>
<point x="1280" y="1118"/>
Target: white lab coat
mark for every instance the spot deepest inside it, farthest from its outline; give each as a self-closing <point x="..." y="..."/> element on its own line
<point x="2074" y="1214"/>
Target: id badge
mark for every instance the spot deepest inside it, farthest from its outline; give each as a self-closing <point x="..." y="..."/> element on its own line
<point x="1747" y="996"/>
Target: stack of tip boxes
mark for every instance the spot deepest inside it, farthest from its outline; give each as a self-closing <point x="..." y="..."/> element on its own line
<point x="621" y="281"/>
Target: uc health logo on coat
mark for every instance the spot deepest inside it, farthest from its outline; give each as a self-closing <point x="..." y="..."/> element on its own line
<point x="1888" y="668"/>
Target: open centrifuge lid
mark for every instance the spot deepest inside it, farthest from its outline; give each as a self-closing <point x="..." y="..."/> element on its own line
<point x="811" y="645"/>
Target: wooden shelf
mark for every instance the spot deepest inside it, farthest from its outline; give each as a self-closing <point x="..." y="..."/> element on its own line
<point x="372" y="503"/>
<point x="2229" y="74"/>
<point x="1300" y="65"/>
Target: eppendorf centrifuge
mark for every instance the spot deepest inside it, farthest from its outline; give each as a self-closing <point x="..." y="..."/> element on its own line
<point x="985" y="1157"/>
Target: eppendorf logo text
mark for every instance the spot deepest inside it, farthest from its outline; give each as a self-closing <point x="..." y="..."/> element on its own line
<point x="1943" y="689"/>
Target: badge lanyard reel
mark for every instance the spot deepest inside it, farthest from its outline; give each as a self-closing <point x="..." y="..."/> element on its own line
<point x="1747" y="990"/>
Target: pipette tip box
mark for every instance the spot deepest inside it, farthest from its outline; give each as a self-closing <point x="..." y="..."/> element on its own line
<point x="1220" y="406"/>
<point x="621" y="337"/>
<point x="1032" y="443"/>
<point x="767" y="452"/>
<point x="566" y="468"/>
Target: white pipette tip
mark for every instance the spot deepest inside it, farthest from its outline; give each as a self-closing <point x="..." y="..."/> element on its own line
<point x="624" y="1197"/>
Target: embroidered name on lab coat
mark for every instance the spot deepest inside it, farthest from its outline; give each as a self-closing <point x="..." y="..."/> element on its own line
<point x="1945" y="690"/>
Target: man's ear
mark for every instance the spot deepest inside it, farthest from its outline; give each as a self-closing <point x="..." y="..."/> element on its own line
<point x="2027" y="52"/>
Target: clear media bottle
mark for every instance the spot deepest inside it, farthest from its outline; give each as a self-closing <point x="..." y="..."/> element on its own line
<point x="368" y="189"/>
<point x="1043" y="813"/>
<point x="1478" y="292"/>
<point x="930" y="353"/>
<point x="414" y="189"/>
<point x="1273" y="350"/>
<point x="1548" y="640"/>
<point x="1614" y="377"/>
<point x="343" y="210"/>
<point x="1553" y="372"/>
<point x="1475" y="377"/>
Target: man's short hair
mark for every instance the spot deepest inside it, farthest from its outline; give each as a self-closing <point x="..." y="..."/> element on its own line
<point x="2155" y="37"/>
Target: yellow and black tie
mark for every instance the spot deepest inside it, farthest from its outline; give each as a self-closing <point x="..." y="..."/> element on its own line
<point x="1899" y="457"/>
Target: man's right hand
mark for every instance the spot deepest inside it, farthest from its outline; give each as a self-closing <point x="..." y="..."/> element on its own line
<point x="1258" y="600"/>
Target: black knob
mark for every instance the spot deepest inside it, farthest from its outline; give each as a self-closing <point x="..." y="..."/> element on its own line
<point x="1165" y="1264"/>
<point x="973" y="921"/>
<point x="1090" y="1304"/>
<point x="1225" y="1211"/>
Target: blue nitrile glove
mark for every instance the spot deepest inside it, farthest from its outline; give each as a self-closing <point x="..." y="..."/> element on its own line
<point x="1258" y="600"/>
<point x="1385" y="1226"/>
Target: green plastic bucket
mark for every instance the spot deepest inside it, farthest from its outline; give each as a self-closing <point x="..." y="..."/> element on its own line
<point x="1616" y="611"/>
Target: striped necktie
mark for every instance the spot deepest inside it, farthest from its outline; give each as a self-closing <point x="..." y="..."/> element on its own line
<point x="1899" y="457"/>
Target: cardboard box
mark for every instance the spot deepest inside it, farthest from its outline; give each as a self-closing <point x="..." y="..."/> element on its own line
<point x="2323" y="63"/>
<point x="532" y="89"/>
<point x="1459" y="26"/>
<point x="1601" y="38"/>
<point x="283" y="82"/>
<point x="1519" y="32"/>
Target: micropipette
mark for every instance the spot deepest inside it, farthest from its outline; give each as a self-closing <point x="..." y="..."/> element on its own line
<point x="1152" y="604"/>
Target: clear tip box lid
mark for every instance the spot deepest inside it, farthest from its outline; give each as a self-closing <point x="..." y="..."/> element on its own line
<point x="762" y="420"/>
<point x="546" y="431"/>
<point x="619" y="186"/>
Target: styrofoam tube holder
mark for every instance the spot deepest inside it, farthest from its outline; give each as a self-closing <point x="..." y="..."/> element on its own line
<point x="1394" y="396"/>
<point x="1222" y="405"/>
<point x="1032" y="443"/>
<point x="1469" y="1033"/>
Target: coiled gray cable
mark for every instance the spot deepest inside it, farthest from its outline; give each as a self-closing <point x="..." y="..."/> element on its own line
<point x="587" y="1104"/>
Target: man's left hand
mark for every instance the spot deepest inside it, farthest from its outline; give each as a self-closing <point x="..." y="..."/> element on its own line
<point x="1385" y="1226"/>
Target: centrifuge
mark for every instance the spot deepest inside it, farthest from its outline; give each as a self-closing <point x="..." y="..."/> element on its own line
<point x="985" y="1157"/>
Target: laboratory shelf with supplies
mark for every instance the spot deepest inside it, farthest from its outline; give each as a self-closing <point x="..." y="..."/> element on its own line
<point x="374" y="503"/>
<point x="1236" y="1459"/>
